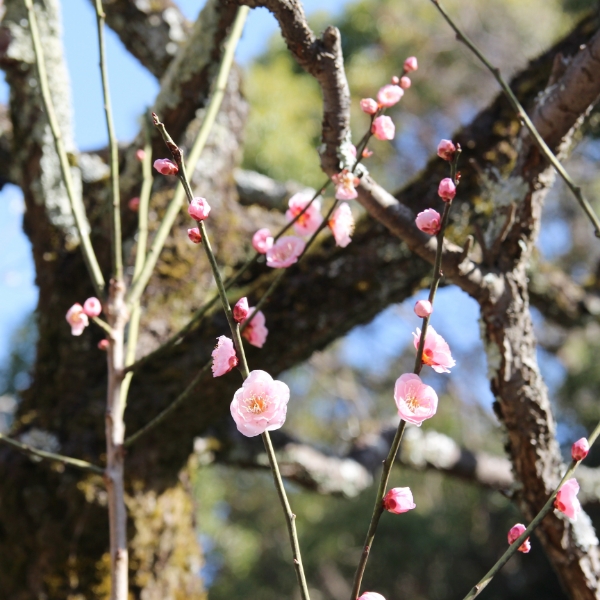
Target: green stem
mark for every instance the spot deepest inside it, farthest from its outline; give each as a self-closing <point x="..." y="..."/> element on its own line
<point x="522" y="114"/>
<point x="75" y="201"/>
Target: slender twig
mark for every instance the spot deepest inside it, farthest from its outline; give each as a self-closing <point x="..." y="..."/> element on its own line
<point x="66" y="460"/>
<point x="102" y="324"/>
<point x="522" y="115"/>
<point x="388" y="463"/>
<point x="117" y="249"/>
<point x="75" y="201"/>
<point x="139" y="284"/>
<point x="479" y="587"/>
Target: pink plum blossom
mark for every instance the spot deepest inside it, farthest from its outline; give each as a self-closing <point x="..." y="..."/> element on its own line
<point x="369" y="106"/>
<point x="371" y="596"/>
<point x="415" y="400"/>
<point x="429" y="221"/>
<point x="566" y="500"/>
<point x="383" y="128"/>
<point x="405" y="82"/>
<point x="134" y="204"/>
<point x="446" y="189"/>
<point x="103" y="345"/>
<point x="395" y="80"/>
<point x="366" y="154"/>
<point x="345" y="185"/>
<point x="341" y="224"/>
<point x="410" y="64"/>
<point x="195" y="235"/>
<point x="241" y="310"/>
<point x="77" y="319"/>
<point x="389" y="95"/>
<point x="166" y="167"/>
<point x="199" y="209"/>
<point x="399" y="500"/>
<point x="436" y="352"/>
<point x="446" y="149"/>
<point x="262" y="240"/>
<point x="308" y="222"/>
<point x="256" y="332"/>
<point x="92" y="307"/>
<point x="224" y="357"/>
<point x="260" y="404"/>
<point x="423" y="308"/>
<point x="580" y="449"/>
<point x="285" y="252"/>
<point x="516" y="531"/>
<point x="140" y="154"/>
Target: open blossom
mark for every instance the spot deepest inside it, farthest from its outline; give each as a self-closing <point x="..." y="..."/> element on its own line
<point x="199" y="209"/>
<point x="308" y="222"/>
<point x="224" y="357"/>
<point x="371" y="596"/>
<point x="256" y="332"/>
<point x="262" y="240"/>
<point x="165" y="166"/>
<point x="285" y="252"/>
<point x="399" y="500"/>
<point x="428" y="221"/>
<point x="241" y="310"/>
<point x="341" y="224"/>
<point x="436" y="352"/>
<point x="92" y="307"/>
<point x="134" y="204"/>
<point x="423" y="308"/>
<point x="580" y="449"/>
<point x="383" y="128"/>
<point x="566" y="500"/>
<point x="446" y="149"/>
<point x="446" y="189"/>
<point x="345" y="185"/>
<point x="195" y="235"/>
<point x="405" y="82"/>
<point x="389" y="95"/>
<point x="77" y="319"/>
<point x="513" y="535"/>
<point x="260" y="404"/>
<point x="415" y="400"/>
<point x="369" y="106"/>
<point x="410" y="64"/>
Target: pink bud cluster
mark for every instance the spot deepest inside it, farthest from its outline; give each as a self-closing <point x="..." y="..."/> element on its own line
<point x="78" y="316"/>
<point x="516" y="531"/>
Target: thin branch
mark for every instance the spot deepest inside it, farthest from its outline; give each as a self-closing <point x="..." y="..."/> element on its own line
<point x="66" y="460"/>
<point x="75" y="201"/>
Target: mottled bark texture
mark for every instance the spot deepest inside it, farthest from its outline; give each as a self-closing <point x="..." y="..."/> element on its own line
<point x="53" y="526"/>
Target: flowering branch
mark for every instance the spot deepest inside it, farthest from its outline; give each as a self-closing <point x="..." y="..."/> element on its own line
<point x="522" y="115"/>
<point x="75" y="200"/>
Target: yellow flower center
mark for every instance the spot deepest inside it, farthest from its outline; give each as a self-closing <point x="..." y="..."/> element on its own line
<point x="411" y="402"/>
<point x="257" y="404"/>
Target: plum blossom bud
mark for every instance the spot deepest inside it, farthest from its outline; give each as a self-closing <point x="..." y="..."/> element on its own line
<point x="580" y="449"/>
<point x="566" y="500"/>
<point x="134" y="204"/>
<point x="428" y="221"/>
<point x="369" y="106"/>
<point x="371" y="596"/>
<point x="395" y="80"/>
<point x="410" y="64"/>
<point x="165" y="166"/>
<point x="103" y="345"/>
<point x="405" y="82"/>
<point x="446" y="149"/>
<point x="241" y="310"/>
<point x="140" y="154"/>
<point x="224" y="357"/>
<point x="309" y="221"/>
<point x="399" y="500"/>
<point x="77" y="319"/>
<point x="389" y="95"/>
<point x="195" y="235"/>
<point x="199" y="209"/>
<point x="260" y="404"/>
<point x="341" y="224"/>
<point x="436" y="352"/>
<point x="415" y="400"/>
<point x="256" y="332"/>
<point x="516" y="531"/>
<point x="92" y="307"/>
<point x="366" y="153"/>
<point x="285" y="252"/>
<point x="423" y="308"/>
<point x="447" y="189"/>
<point x="383" y="128"/>
<point x="345" y="183"/>
<point x="262" y="240"/>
